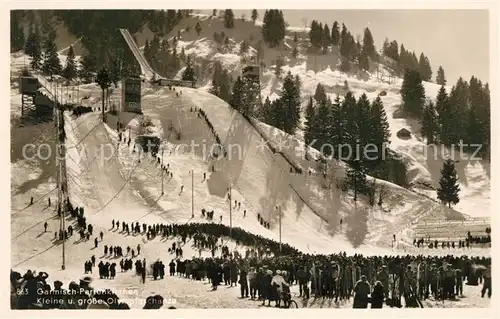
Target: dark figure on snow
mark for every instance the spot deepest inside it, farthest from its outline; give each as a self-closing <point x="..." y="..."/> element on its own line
<point x="171" y="269"/>
<point x="101" y="234"/>
<point x="143" y="275"/>
<point x="486" y="283"/>
<point x="45" y="227"/>
<point x="49" y="201"/>
<point x="243" y="283"/>
<point x="96" y="242"/>
<point x="361" y="292"/>
<point x="31" y="200"/>
<point x="377" y="295"/>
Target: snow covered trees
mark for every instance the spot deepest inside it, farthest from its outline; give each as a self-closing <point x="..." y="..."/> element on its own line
<point x="70" y="70"/>
<point x="51" y="64"/>
<point x="229" y="19"/>
<point x="188" y="74"/>
<point x="255" y="15"/>
<point x="448" y="189"/>
<point x="33" y="47"/>
<point x="273" y="29"/>
<point x="412" y="93"/>
<point x="430" y="125"/>
<point x="440" y="78"/>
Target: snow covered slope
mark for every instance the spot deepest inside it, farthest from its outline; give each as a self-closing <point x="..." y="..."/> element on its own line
<point x="423" y="166"/>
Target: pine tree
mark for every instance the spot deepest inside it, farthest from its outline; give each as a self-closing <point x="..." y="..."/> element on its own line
<point x="351" y="131"/>
<point x="34" y="46"/>
<point x="51" y="63"/>
<point x="70" y="71"/>
<point x="197" y="28"/>
<point x="356" y="178"/>
<point x="237" y="95"/>
<point x="36" y="58"/>
<point x="295" y="52"/>
<point x="413" y="93"/>
<point x="88" y="66"/>
<point x="266" y="113"/>
<point x="188" y="73"/>
<point x="229" y="19"/>
<point x="444" y="117"/>
<point x="440" y="78"/>
<point x="478" y="123"/>
<point x="345" y="45"/>
<point x="449" y="188"/>
<point x="323" y="127"/>
<point x="424" y="68"/>
<point x="369" y="45"/>
<point x="459" y="102"/>
<point x="31" y="41"/>
<point x="290" y="99"/>
<point x="320" y="95"/>
<point x="327" y="37"/>
<point x="363" y="121"/>
<point x="273" y="30"/>
<point x="379" y="124"/>
<point x="363" y="61"/>
<point x="335" y="34"/>
<point x="255" y="15"/>
<point x="309" y="135"/>
<point x="430" y="124"/>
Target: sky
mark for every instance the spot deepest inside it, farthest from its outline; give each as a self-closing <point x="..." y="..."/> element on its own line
<point x="456" y="39"/>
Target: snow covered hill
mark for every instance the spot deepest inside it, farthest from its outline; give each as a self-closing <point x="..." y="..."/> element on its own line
<point x="423" y="166"/>
<point x="106" y="177"/>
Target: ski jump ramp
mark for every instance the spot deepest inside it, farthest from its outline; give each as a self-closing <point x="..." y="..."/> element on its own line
<point x="146" y="70"/>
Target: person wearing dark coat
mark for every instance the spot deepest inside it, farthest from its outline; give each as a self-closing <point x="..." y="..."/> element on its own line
<point x="214" y="276"/>
<point x="227" y="271"/>
<point x="266" y="288"/>
<point x="234" y="273"/>
<point x="172" y="268"/>
<point x="161" y="270"/>
<point x="243" y="283"/>
<point x="361" y="292"/>
<point x="377" y="295"/>
<point x="112" y="271"/>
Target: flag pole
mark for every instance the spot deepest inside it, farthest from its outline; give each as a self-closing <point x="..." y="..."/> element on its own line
<point x="192" y="193"/>
<point x="279" y="212"/>
<point x="161" y="170"/>
<point x="230" y="212"/>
